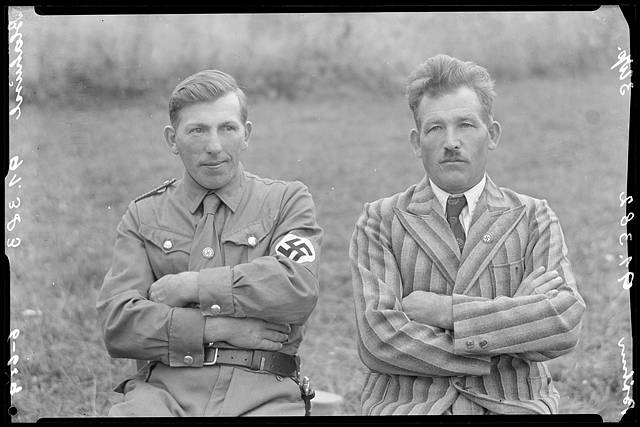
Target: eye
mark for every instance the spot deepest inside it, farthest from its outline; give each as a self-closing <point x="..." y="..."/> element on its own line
<point x="196" y="131"/>
<point x="432" y="129"/>
<point x="228" y="128"/>
<point x="467" y="125"/>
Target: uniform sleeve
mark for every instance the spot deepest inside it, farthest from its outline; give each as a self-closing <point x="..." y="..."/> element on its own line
<point x="281" y="286"/>
<point x="135" y="327"/>
<point x="537" y="327"/>
<point x="388" y="341"/>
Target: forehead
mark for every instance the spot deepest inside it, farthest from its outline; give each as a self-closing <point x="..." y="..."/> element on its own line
<point x="225" y="108"/>
<point x="459" y="103"/>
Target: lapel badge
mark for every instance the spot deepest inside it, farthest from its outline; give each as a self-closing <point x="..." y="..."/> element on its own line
<point x="168" y="244"/>
<point x="252" y="241"/>
<point x="487" y="238"/>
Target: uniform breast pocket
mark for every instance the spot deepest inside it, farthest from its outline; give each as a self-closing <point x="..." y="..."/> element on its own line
<point x="167" y="250"/>
<point x="506" y="277"/>
<point x="248" y="242"/>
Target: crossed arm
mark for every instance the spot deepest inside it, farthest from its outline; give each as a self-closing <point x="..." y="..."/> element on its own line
<point x="150" y="319"/>
<point x="427" y="334"/>
<point x="437" y="310"/>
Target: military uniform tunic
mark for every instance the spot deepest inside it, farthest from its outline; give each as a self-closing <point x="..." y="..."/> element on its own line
<point x="245" y="273"/>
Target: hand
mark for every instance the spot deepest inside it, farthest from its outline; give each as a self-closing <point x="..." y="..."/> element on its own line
<point x="429" y="308"/>
<point x="175" y="290"/>
<point x="246" y="332"/>
<point x="539" y="282"/>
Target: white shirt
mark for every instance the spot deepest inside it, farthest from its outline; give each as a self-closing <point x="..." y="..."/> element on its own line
<point x="472" y="195"/>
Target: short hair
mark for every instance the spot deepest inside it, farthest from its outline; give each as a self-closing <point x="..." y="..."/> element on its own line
<point x="204" y="86"/>
<point x="442" y="74"/>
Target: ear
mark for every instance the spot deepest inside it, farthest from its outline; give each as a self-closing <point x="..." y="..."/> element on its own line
<point x="248" y="127"/>
<point x="495" y="130"/>
<point x="170" y="138"/>
<point x="414" y="139"/>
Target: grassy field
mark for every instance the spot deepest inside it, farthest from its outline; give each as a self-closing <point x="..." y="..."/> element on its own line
<point x="564" y="140"/>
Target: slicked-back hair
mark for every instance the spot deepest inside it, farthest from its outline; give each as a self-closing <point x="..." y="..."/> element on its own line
<point x="204" y="86"/>
<point x="443" y="74"/>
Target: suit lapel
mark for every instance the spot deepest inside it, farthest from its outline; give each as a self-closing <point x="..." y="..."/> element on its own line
<point x="494" y="218"/>
<point x="424" y="221"/>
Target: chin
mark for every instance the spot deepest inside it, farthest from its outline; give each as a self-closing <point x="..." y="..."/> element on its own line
<point x="456" y="186"/>
<point x="213" y="184"/>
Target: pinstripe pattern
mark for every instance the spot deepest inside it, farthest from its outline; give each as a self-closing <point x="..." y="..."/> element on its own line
<point x="403" y="243"/>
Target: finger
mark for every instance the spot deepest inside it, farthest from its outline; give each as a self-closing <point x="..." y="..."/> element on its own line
<point x="552" y="284"/>
<point x="275" y="336"/>
<point x="269" y="345"/>
<point x="527" y="285"/>
<point x="552" y="293"/>
<point x="286" y="329"/>
<point x="535" y="273"/>
<point x="546" y="277"/>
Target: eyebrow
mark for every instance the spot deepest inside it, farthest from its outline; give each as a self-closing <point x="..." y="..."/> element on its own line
<point x="196" y="124"/>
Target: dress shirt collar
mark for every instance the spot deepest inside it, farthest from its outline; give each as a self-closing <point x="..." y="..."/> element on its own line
<point x="230" y="194"/>
<point x="472" y="195"/>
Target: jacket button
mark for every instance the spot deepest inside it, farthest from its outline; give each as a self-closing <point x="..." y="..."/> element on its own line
<point x="215" y="309"/>
<point x="483" y="343"/>
<point x="188" y="360"/>
<point x="208" y="252"/>
<point x="470" y="344"/>
<point x="252" y="241"/>
<point x="167" y="244"/>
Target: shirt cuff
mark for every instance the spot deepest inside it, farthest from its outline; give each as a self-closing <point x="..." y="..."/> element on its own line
<point x="214" y="291"/>
<point x="186" y="338"/>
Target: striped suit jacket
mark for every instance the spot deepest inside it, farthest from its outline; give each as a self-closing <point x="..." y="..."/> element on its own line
<point x="495" y="354"/>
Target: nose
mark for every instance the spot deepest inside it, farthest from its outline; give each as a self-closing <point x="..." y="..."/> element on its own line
<point x="213" y="145"/>
<point x="452" y="142"/>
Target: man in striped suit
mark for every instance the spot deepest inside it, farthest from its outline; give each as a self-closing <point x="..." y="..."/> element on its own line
<point x="462" y="289"/>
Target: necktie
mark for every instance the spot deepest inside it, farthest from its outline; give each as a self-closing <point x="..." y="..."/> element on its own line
<point x="455" y="204"/>
<point x="205" y="243"/>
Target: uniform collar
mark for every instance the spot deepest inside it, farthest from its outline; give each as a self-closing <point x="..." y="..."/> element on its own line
<point x="230" y="194"/>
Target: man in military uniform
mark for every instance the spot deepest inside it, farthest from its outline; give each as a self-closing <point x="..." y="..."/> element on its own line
<point x="213" y="275"/>
<point x="462" y="289"/>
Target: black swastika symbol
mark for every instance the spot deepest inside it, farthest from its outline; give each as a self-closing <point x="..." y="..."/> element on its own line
<point x="297" y="249"/>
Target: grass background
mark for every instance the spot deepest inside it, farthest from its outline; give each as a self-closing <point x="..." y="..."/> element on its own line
<point x="328" y="109"/>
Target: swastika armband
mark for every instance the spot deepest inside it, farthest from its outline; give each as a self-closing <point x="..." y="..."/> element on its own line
<point x="296" y="248"/>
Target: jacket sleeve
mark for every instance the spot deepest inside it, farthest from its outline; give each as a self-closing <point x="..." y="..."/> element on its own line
<point x="388" y="341"/>
<point x="281" y="286"/>
<point x="535" y="327"/>
<point x="135" y="327"/>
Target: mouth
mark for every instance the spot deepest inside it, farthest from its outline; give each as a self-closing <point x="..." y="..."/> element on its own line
<point x="453" y="161"/>
<point x="213" y="165"/>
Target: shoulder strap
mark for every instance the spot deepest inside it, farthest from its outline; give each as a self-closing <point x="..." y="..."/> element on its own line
<point x="157" y="190"/>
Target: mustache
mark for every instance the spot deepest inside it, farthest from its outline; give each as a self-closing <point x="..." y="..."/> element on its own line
<point x="450" y="155"/>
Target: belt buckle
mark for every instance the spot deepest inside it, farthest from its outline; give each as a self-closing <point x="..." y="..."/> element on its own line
<point x="215" y="359"/>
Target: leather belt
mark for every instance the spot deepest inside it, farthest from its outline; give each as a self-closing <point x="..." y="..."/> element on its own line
<point x="275" y="362"/>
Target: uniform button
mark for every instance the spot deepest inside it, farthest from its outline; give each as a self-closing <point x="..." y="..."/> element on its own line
<point x="452" y="219"/>
<point x="215" y="309"/>
<point x="470" y="344"/>
<point x="208" y="252"/>
<point x="487" y="238"/>
<point x="483" y="343"/>
<point x="460" y="242"/>
<point x="168" y="244"/>
<point x="252" y="240"/>
<point x="188" y="360"/>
